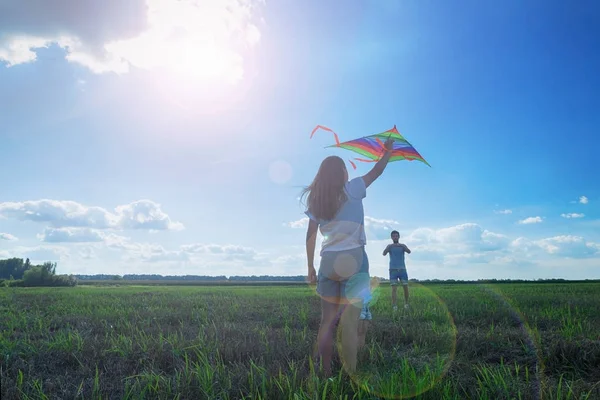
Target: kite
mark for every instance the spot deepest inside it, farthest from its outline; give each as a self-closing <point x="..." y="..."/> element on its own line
<point x="372" y="146"/>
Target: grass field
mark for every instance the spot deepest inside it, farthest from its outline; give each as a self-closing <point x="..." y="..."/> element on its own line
<point x="457" y="341"/>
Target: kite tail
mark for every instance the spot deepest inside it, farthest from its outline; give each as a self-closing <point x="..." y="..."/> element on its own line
<point x="337" y="140"/>
<point x="365" y="160"/>
<point x="353" y="165"/>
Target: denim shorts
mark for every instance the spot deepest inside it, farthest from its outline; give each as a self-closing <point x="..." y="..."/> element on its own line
<point x="344" y="276"/>
<point x="398" y="275"/>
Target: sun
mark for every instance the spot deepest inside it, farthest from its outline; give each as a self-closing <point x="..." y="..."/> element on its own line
<point x="197" y="61"/>
<point x="193" y="40"/>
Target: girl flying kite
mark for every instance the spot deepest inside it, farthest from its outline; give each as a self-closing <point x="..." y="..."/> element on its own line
<point x="335" y="208"/>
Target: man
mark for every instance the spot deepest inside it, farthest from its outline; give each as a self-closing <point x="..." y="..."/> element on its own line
<point x="397" y="267"/>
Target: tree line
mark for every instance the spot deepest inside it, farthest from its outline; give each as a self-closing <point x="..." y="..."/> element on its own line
<point x="19" y="272"/>
<point x="296" y="278"/>
<point x="220" y="278"/>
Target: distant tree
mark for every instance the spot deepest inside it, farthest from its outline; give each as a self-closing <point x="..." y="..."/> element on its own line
<point x="26" y="274"/>
<point x="43" y="275"/>
<point x="49" y="267"/>
<point x="12" y="267"/>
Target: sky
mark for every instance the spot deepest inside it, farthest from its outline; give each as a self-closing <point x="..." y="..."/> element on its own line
<point x="174" y="137"/>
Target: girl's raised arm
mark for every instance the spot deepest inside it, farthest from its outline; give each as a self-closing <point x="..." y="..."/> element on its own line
<point x="379" y="167"/>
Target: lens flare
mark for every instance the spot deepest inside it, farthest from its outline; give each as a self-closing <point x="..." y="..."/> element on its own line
<point x="532" y="337"/>
<point x="406" y="371"/>
<point x="412" y="376"/>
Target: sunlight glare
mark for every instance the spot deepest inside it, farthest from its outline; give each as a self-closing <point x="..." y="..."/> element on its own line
<point x="193" y="41"/>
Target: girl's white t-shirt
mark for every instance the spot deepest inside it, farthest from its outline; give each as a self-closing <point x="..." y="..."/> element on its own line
<point x="347" y="229"/>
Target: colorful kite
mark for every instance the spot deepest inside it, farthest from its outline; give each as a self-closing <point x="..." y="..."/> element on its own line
<point x="372" y="146"/>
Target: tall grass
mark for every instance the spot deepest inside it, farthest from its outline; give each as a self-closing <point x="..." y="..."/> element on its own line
<point x="521" y="341"/>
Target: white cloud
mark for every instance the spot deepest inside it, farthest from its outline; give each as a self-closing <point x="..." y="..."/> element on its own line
<point x="299" y="224"/>
<point x="370" y="223"/>
<point x="531" y="220"/>
<point x="72" y="235"/>
<point x="469" y="247"/>
<point x="45" y="253"/>
<point x="196" y="38"/>
<point x="149" y="252"/>
<point x="145" y="214"/>
<point x="290" y="260"/>
<point x="142" y="214"/>
<point x="87" y="253"/>
<point x="493" y="241"/>
<point x="58" y="213"/>
<point x="569" y="246"/>
<point x="230" y="251"/>
<point x="583" y="200"/>
<point x="521" y="243"/>
<point x="377" y="223"/>
<point x="158" y="253"/>
<point x="506" y="212"/>
<point x="572" y="215"/>
<point x="292" y="264"/>
<point x="465" y="251"/>
<point x="513" y="260"/>
<point x="38" y="254"/>
<point x="451" y="247"/>
<point x="7" y="236"/>
<point x="464" y="233"/>
<point x="422" y="236"/>
<point x="468" y="251"/>
<point x="195" y="253"/>
<point x="467" y="258"/>
<point x="468" y="236"/>
<point x="18" y="49"/>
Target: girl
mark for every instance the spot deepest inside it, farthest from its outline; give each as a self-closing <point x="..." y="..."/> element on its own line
<point x="335" y="208"/>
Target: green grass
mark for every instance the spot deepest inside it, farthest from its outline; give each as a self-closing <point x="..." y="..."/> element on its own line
<point x="521" y="341"/>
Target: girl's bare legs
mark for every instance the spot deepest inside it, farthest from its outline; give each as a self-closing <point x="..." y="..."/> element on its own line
<point x="349" y="325"/>
<point x="325" y="337"/>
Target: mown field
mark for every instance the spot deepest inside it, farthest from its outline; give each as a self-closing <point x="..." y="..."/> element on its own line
<point x="503" y="341"/>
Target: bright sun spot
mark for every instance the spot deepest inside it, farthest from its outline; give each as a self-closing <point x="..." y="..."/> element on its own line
<point x="193" y="40"/>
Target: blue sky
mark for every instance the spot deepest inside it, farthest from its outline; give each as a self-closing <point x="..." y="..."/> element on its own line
<point x="173" y="138"/>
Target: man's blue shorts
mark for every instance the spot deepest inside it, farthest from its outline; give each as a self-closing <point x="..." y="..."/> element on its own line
<point x="344" y="276"/>
<point x="398" y="275"/>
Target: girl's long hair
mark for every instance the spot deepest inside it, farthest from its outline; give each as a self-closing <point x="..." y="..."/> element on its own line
<point x="326" y="192"/>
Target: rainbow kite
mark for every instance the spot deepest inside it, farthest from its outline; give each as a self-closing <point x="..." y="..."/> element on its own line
<point x="372" y="146"/>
